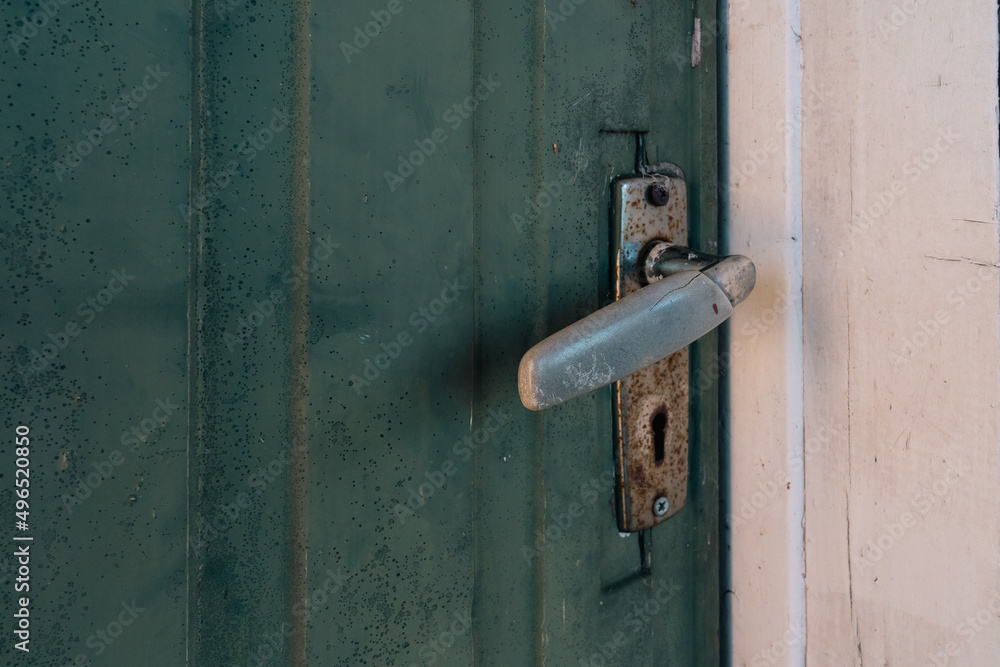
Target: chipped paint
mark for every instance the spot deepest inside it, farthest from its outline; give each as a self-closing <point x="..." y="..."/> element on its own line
<point x="696" y="44"/>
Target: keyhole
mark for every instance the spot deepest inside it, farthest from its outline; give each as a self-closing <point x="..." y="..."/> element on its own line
<point x="659" y="434"/>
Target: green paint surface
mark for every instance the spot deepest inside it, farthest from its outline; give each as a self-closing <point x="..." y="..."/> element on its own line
<point x="460" y="157"/>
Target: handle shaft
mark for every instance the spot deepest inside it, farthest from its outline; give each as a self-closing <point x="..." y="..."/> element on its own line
<point x="621" y="338"/>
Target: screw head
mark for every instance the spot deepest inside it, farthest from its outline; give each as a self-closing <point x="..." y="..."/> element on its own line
<point x="660" y="506"/>
<point x="658" y="194"/>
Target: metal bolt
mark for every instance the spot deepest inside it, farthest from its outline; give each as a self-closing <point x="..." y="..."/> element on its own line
<point x="658" y="194"/>
<point x="660" y="506"/>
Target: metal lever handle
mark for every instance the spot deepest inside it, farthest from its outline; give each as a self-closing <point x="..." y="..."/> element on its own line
<point x="689" y="294"/>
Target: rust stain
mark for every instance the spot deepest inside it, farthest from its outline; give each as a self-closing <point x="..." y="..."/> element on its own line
<point x="660" y="387"/>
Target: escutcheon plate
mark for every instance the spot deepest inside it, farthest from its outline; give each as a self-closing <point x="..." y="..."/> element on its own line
<point x="650" y="406"/>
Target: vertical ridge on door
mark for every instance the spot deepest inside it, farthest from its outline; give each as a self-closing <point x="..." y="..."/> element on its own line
<point x="298" y="474"/>
<point x="240" y="211"/>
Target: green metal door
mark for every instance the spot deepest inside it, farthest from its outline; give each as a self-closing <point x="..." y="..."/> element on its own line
<point x="270" y="269"/>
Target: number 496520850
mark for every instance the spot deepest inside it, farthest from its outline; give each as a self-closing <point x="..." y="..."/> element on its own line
<point x="21" y="476"/>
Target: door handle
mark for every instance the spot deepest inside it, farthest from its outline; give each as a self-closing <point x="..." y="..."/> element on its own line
<point x="667" y="296"/>
<point x="688" y="294"/>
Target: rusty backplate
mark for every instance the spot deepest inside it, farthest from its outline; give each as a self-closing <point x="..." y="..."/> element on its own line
<point x="651" y="406"/>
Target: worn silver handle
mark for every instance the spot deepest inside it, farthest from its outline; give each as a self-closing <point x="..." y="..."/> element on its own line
<point x="689" y="294"/>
